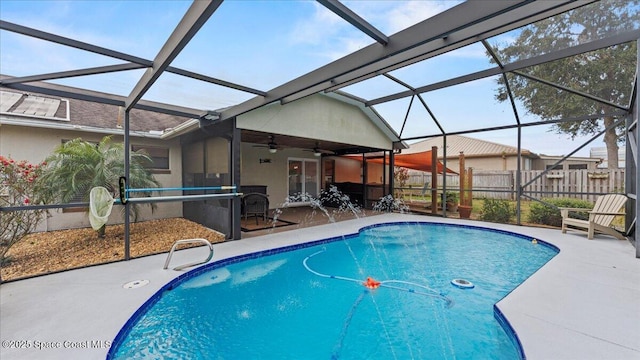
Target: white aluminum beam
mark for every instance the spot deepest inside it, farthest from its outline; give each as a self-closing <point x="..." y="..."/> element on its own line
<point x="5" y="25"/>
<point x="570" y="90"/>
<point x="636" y="118"/>
<point x="73" y="73"/>
<point x="195" y="17"/>
<point x="511" y="98"/>
<point x="213" y="80"/>
<point x="527" y="14"/>
<point x="23" y="30"/>
<point x="514" y="66"/>
<point x="355" y="20"/>
<point x="465" y="22"/>
<point x="99" y="97"/>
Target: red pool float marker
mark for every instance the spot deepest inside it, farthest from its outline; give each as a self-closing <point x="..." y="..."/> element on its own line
<point x="371" y="283"/>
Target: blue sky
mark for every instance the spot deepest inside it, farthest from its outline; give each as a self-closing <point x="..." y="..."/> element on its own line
<point x="262" y="44"/>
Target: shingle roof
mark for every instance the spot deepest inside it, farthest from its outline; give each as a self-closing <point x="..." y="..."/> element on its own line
<point x="96" y="115"/>
<point x="470" y="146"/>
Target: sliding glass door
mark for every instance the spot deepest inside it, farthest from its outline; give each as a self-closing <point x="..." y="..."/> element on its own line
<point x="304" y="177"/>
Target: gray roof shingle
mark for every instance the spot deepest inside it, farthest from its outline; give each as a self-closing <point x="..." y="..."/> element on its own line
<point x="98" y="115"/>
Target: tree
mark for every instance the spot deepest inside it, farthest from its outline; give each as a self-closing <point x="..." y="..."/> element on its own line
<point x="77" y="166"/>
<point x="604" y="73"/>
<point x="18" y="187"/>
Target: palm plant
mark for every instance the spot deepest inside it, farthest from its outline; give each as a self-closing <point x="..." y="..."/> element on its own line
<point x="76" y="166"/>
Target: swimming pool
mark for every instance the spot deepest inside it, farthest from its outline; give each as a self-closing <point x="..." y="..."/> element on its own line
<point x="309" y="301"/>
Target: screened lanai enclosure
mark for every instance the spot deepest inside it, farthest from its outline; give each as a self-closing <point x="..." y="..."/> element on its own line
<point x="556" y="78"/>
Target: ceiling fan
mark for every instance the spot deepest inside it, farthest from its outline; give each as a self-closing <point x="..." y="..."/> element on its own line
<point x="271" y="145"/>
<point x="317" y="151"/>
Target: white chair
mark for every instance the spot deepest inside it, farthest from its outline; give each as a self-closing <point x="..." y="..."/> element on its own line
<point x="606" y="208"/>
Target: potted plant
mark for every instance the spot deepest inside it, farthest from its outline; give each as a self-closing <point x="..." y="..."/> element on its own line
<point x="465" y="211"/>
<point x="450" y="198"/>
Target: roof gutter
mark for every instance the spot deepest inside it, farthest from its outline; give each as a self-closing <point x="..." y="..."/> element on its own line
<point x="185" y="127"/>
<point x="83" y="128"/>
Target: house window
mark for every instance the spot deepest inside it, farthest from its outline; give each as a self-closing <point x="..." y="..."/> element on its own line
<point x="578" y="167"/>
<point x="551" y="167"/>
<point x="159" y="157"/>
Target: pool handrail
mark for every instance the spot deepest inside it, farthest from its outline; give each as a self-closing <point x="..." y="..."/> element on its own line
<point x="188" y="241"/>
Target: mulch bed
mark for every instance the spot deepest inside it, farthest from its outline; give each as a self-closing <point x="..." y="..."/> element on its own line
<point x="53" y="251"/>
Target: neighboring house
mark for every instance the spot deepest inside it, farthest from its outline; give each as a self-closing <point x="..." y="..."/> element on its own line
<point x="484" y="155"/>
<point x="478" y="154"/>
<point x="545" y="162"/>
<point x="494" y="167"/>
<point x="278" y="149"/>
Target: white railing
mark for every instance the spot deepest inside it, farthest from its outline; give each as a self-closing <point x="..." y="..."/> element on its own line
<point x="188" y="241"/>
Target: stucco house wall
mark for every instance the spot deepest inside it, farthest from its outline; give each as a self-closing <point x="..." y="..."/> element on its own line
<point x="272" y="172"/>
<point x="34" y="144"/>
<point x="319" y="117"/>
<point x="490" y="163"/>
<point x="572" y="163"/>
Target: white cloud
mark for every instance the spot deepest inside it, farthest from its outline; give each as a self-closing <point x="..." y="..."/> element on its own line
<point x="334" y="37"/>
<point x="345" y="46"/>
<point x="315" y="30"/>
<point x="412" y="12"/>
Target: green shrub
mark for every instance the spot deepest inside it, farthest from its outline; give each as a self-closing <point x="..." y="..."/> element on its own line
<point x="497" y="210"/>
<point x="540" y="213"/>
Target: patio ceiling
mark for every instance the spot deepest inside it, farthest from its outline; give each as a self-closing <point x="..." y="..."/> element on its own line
<point x="285" y="142"/>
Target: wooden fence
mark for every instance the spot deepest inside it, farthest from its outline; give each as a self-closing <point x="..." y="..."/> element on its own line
<point x="580" y="184"/>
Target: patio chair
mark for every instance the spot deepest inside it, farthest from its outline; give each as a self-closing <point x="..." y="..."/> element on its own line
<point x="256" y="205"/>
<point x="606" y="208"/>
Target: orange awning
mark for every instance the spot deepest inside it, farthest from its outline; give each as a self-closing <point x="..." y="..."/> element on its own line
<point x="416" y="161"/>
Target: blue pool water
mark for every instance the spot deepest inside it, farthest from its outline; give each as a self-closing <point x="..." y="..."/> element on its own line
<point x="309" y="302"/>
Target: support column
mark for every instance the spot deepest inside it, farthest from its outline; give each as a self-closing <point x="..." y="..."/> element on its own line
<point x="519" y="179"/>
<point x="392" y="173"/>
<point x="236" y="180"/>
<point x="631" y="157"/>
<point x="127" y="206"/>
<point x="434" y="180"/>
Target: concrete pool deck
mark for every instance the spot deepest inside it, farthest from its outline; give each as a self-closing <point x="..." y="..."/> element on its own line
<point x="583" y="304"/>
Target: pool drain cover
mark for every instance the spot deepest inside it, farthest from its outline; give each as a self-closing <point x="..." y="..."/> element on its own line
<point x="135" y="284"/>
<point x="462" y="283"/>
